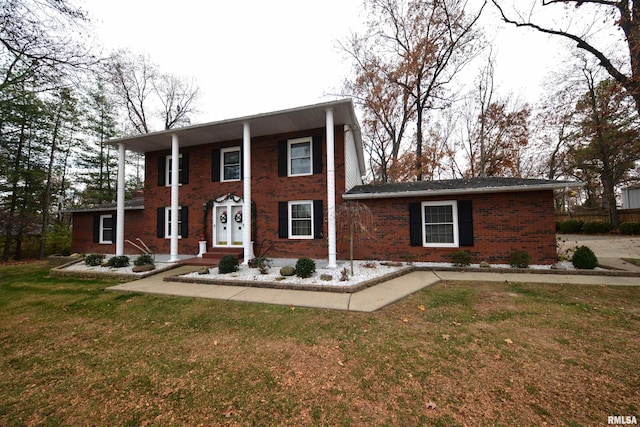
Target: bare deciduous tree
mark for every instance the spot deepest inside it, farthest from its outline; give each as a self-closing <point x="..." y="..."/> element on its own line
<point x="620" y="14"/>
<point x="146" y="94"/>
<point x="411" y="51"/>
<point x="356" y="219"/>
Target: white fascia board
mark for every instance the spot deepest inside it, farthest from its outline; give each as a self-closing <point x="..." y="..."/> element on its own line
<point x="461" y="191"/>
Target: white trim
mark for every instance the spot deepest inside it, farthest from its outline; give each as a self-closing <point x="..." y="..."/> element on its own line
<point x="168" y="174"/>
<point x="222" y="153"/>
<point x="103" y="228"/>
<point x="168" y="223"/>
<point x="448" y="192"/>
<point x="454" y="212"/>
<point x="290" y="219"/>
<point x="289" y="159"/>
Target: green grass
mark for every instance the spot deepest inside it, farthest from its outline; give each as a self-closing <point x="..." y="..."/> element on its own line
<point x="74" y="354"/>
<point x="634" y="261"/>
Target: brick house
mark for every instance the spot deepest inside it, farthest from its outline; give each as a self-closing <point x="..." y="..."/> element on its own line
<point x="278" y="177"/>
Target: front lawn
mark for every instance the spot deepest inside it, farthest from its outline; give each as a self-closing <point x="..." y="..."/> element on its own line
<point x="453" y="354"/>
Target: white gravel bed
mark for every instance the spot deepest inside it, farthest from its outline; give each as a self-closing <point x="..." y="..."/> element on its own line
<point x="246" y="274"/>
<point x="362" y="273"/>
<point x="81" y="266"/>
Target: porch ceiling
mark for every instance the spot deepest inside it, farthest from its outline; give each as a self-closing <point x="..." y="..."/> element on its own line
<point x="307" y="117"/>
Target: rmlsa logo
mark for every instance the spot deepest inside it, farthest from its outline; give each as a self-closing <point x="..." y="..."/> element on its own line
<point x="622" y="420"/>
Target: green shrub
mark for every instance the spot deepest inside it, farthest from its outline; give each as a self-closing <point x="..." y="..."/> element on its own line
<point x="228" y="264"/>
<point x="570" y="226"/>
<point x="519" y="259"/>
<point x="144" y="259"/>
<point x="630" y="228"/>
<point x="596" y="227"/>
<point x="118" y="261"/>
<point x="461" y="258"/>
<point x="584" y="257"/>
<point x="305" y="267"/>
<point x="93" y="260"/>
<point x="65" y="252"/>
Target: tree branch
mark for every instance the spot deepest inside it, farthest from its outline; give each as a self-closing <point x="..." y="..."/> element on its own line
<point x="581" y="43"/>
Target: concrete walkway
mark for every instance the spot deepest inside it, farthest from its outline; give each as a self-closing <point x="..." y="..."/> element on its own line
<point x="367" y="300"/>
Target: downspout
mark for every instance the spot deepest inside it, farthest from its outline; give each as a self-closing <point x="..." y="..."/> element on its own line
<point x="175" y="193"/>
<point x="246" y="193"/>
<point x="120" y="202"/>
<point x="331" y="190"/>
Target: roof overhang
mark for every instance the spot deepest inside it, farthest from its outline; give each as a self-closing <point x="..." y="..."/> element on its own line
<point x="130" y="205"/>
<point x="283" y="121"/>
<point x="560" y="185"/>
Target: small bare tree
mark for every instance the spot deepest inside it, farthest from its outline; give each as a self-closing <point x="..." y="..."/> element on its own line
<point x="357" y="219"/>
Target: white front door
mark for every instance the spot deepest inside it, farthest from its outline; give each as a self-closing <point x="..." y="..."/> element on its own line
<point x="227" y="224"/>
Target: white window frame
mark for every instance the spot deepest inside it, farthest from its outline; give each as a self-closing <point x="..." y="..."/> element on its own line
<point x="168" y="173"/>
<point x="454" y="212"/>
<point x="167" y="222"/>
<point x="289" y="159"/>
<point x="102" y="228"/>
<point x="222" y="153"/>
<point x="290" y="219"/>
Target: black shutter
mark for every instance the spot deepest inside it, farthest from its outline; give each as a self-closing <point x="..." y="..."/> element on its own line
<point x="465" y="222"/>
<point x="184" y="225"/>
<point x="317" y="154"/>
<point x="283" y="220"/>
<point x="184" y="173"/>
<point x="96" y="228"/>
<point x="283" y="170"/>
<point x="215" y="165"/>
<point x="113" y="228"/>
<point x="318" y="220"/>
<point x="160" y="225"/>
<point x="162" y="170"/>
<point x="415" y="224"/>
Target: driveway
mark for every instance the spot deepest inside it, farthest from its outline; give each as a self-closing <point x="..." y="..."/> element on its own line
<point x="609" y="249"/>
<point x="606" y="246"/>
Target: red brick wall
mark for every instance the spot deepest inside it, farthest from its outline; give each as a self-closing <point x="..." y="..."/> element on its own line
<point x="267" y="190"/>
<point x="502" y="222"/>
<point x="82" y="232"/>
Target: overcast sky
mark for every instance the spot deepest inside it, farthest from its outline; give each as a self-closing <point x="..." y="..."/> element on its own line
<point x="254" y="56"/>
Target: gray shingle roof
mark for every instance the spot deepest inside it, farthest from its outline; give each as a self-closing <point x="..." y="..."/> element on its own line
<point x="135" y="203"/>
<point x="454" y="186"/>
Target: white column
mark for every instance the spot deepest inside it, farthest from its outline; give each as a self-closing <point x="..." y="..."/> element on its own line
<point x="120" y="202"/>
<point x="175" y="193"/>
<point x="331" y="190"/>
<point x="246" y="193"/>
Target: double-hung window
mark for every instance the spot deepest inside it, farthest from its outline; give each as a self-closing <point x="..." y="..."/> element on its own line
<point x="301" y="220"/>
<point x="169" y="171"/>
<point x="230" y="163"/>
<point x="300" y="156"/>
<point x="106" y="229"/>
<point x="168" y="221"/>
<point x="440" y="222"/>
